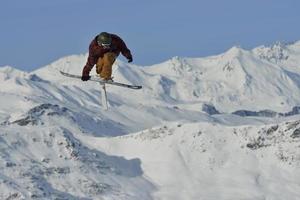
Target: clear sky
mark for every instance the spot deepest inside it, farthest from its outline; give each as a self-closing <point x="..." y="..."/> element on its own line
<point x="34" y="33"/>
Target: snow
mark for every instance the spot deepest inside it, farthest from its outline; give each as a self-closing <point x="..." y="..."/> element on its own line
<point x="177" y="138"/>
<point x="210" y="161"/>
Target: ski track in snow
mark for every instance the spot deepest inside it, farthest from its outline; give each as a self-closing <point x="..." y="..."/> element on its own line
<point x="175" y="139"/>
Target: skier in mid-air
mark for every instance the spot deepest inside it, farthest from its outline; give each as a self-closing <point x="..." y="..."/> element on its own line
<point x="103" y="51"/>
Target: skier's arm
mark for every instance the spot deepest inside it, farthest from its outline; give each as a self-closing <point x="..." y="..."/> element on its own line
<point x="124" y="50"/>
<point x="91" y="61"/>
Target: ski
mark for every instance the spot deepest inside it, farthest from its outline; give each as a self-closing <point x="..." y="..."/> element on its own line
<point x="97" y="79"/>
<point x="104" y="96"/>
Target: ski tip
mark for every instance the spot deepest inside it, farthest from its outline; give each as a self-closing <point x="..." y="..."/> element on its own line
<point x="63" y="73"/>
<point x="138" y="87"/>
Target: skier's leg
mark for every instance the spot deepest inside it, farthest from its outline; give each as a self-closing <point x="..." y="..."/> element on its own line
<point x="108" y="61"/>
<point x="99" y="66"/>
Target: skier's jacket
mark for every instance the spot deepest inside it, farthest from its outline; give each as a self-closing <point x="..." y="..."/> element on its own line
<point x="95" y="52"/>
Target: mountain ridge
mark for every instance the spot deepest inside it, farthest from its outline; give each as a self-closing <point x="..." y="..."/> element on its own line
<point x="231" y="80"/>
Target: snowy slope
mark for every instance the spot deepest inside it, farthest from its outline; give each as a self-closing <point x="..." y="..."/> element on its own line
<point x="211" y="161"/>
<point x="166" y="141"/>
<point x="42" y="158"/>
<point x="48" y="154"/>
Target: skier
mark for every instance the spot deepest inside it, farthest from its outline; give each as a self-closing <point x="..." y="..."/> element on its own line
<point x="103" y="51"/>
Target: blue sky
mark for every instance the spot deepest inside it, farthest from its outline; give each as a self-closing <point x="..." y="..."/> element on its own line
<point x="36" y="32"/>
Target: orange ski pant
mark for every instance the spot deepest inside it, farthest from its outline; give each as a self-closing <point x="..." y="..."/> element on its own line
<point x="104" y="65"/>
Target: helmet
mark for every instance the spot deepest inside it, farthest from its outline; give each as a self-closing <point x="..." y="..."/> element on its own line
<point x="104" y="39"/>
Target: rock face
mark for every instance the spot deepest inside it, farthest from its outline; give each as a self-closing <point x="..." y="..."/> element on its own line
<point x="296" y="133"/>
<point x="34" y="115"/>
<point x="267" y="113"/>
<point x="210" y="109"/>
<point x="276" y="53"/>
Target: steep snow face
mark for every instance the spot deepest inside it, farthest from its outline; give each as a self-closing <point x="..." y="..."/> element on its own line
<point x="41" y="157"/>
<point x="211" y="161"/>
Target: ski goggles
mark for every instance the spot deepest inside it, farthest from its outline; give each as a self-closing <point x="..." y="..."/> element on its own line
<point x="105" y="46"/>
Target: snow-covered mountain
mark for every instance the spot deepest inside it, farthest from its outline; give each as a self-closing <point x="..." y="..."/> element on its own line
<point x="235" y="80"/>
<point x="185" y="135"/>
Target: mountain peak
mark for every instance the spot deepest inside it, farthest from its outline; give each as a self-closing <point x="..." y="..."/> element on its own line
<point x="8" y="69"/>
<point x="233" y="52"/>
<point x="7" y="72"/>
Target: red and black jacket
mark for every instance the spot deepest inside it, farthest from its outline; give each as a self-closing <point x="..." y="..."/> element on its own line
<point x="95" y="52"/>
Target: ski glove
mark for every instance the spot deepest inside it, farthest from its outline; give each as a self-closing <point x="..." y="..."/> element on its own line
<point x="130" y="59"/>
<point x="85" y="78"/>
